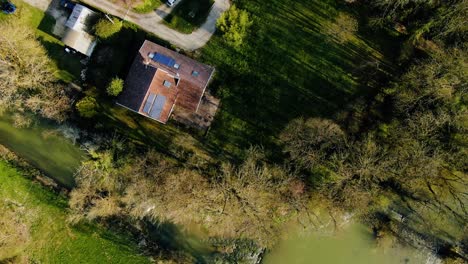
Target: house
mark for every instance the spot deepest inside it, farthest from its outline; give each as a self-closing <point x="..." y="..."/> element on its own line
<point x="161" y="81"/>
<point x="78" y="28"/>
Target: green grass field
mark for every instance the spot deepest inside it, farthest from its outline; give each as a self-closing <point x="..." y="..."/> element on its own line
<point x="288" y="67"/>
<point x="188" y="15"/>
<point x="51" y="239"/>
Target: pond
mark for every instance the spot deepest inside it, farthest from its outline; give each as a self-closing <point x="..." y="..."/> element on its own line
<point x="44" y="148"/>
<point x="351" y="245"/>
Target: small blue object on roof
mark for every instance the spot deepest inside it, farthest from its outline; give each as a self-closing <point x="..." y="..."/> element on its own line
<point x="7" y="7"/>
<point x="163" y="59"/>
<point x="67" y="4"/>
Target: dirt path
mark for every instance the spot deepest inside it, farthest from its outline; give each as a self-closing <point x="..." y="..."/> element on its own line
<point x="152" y="22"/>
<point x="41" y="4"/>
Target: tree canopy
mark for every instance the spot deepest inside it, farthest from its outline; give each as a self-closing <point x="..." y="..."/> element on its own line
<point x="87" y="106"/>
<point x="104" y="28"/>
<point x="234" y="25"/>
<point x="115" y="87"/>
<point x="249" y="201"/>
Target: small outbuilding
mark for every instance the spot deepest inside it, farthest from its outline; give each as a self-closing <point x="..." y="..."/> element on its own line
<point x="78" y="28"/>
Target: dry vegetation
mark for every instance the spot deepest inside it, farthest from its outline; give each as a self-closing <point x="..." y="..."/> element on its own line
<point x="14" y="231"/>
<point x="27" y="82"/>
<point x="250" y="201"/>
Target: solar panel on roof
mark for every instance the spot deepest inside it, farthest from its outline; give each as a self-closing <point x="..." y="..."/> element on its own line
<point x="163" y="59"/>
<point x="149" y="103"/>
<point x="158" y="106"/>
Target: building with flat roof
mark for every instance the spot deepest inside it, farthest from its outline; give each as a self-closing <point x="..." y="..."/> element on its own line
<point x="160" y="80"/>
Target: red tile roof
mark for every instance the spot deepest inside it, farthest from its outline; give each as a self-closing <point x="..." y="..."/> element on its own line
<point x="147" y="76"/>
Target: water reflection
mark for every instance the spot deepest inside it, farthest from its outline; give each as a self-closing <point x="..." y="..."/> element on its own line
<point x="44" y="148"/>
<point x="352" y="245"/>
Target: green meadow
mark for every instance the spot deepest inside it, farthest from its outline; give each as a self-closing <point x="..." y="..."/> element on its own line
<point x="50" y="239"/>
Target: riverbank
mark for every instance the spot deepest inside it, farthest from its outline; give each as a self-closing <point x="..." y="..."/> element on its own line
<point x="39" y="230"/>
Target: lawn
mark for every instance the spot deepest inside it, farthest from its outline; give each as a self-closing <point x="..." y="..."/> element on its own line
<point x="147" y="6"/>
<point x="68" y="67"/>
<point x="288" y="67"/>
<point x="189" y="15"/>
<point x="51" y="239"/>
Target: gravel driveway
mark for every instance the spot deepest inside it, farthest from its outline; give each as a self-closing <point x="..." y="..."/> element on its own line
<point x="41" y="4"/>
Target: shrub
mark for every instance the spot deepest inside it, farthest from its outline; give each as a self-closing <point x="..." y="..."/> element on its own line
<point x="87" y="107"/>
<point x="234" y="25"/>
<point x="105" y="28"/>
<point x="115" y="87"/>
<point x="147" y="6"/>
<point x="21" y="120"/>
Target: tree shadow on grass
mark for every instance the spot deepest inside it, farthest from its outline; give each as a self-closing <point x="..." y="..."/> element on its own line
<point x="68" y="65"/>
<point x="289" y="67"/>
<point x="117" y="236"/>
<point x="47" y="24"/>
<point x="170" y="238"/>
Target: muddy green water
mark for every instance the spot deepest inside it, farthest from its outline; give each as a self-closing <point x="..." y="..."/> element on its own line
<point x="44" y="148"/>
<point x="353" y="245"/>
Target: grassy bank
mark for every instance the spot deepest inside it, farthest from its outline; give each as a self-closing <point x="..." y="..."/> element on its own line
<point x="49" y="238"/>
<point x="189" y="15"/>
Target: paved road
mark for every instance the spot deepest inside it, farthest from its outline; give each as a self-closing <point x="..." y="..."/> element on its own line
<point x="41" y="4"/>
<point x="152" y="22"/>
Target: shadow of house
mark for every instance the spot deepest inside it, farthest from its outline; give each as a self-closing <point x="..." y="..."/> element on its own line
<point x="78" y="30"/>
<point x="51" y="29"/>
<point x="53" y="22"/>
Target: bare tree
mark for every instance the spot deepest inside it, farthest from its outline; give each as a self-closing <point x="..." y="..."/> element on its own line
<point x="26" y="77"/>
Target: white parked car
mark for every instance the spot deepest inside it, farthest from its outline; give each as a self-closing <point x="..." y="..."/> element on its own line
<point x="171" y="2"/>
